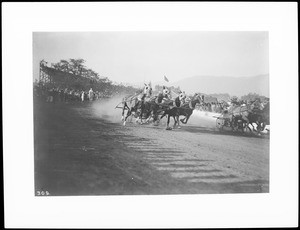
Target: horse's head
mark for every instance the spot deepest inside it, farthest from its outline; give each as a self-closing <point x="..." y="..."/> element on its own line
<point x="147" y="89"/>
<point x="182" y="96"/>
<point x="166" y="92"/>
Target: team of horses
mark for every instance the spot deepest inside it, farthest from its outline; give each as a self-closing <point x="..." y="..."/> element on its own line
<point x="243" y="116"/>
<point x="146" y="107"/>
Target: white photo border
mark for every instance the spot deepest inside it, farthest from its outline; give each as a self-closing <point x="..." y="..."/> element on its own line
<point x="278" y="208"/>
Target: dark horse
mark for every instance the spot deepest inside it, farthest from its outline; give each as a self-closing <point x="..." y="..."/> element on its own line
<point x="157" y="105"/>
<point x="185" y="110"/>
<point x="136" y="104"/>
<point x="260" y="117"/>
<point x="254" y="116"/>
<point x="188" y="109"/>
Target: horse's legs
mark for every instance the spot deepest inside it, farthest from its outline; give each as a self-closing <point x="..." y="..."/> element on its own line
<point x="142" y="112"/>
<point x="253" y="128"/>
<point x="244" y="125"/>
<point x="233" y="123"/>
<point x="175" y="121"/>
<point x="164" y="114"/>
<point x="148" y="116"/>
<point x="123" y="111"/>
<point x="263" y="126"/>
<point x="127" y="115"/>
<point x="186" y="117"/>
<point x="185" y="120"/>
<point x="177" y="116"/>
<point x="154" y="115"/>
<point x="168" y="128"/>
<point x="259" y="127"/>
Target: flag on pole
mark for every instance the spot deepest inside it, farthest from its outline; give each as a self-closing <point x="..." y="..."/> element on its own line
<point x="166" y="79"/>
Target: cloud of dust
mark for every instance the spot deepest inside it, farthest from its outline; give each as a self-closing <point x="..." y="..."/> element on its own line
<point x="203" y="119"/>
<point x="106" y="108"/>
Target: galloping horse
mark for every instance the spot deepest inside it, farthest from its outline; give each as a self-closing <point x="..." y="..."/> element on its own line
<point x="135" y="104"/>
<point x="188" y="108"/>
<point x="251" y="116"/>
<point x="155" y="105"/>
<point x="184" y="109"/>
<point x="261" y="117"/>
<point x="170" y="109"/>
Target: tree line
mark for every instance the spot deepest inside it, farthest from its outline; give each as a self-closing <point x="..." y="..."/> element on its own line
<point x="83" y="78"/>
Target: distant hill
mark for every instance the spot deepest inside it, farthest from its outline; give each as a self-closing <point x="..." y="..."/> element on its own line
<point x="235" y="86"/>
<point x="221" y="96"/>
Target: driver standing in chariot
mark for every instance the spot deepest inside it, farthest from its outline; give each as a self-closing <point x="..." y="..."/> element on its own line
<point x="229" y="112"/>
<point x="234" y="104"/>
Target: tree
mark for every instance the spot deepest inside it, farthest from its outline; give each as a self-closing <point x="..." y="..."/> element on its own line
<point x="85" y="78"/>
<point x="43" y="63"/>
<point x="76" y="66"/>
<point x="65" y="65"/>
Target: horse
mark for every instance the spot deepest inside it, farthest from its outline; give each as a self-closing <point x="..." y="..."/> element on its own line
<point x="261" y="117"/>
<point x="155" y="105"/>
<point x="239" y="116"/>
<point x="171" y="109"/>
<point x="135" y="104"/>
<point x="249" y="115"/>
<point x="185" y="109"/>
<point x="188" y="108"/>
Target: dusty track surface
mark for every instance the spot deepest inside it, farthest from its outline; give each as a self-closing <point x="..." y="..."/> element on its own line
<point x="83" y="149"/>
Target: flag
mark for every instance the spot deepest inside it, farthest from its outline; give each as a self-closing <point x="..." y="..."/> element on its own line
<point x="166" y="79"/>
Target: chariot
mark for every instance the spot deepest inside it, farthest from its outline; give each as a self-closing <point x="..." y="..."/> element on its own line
<point x="229" y="120"/>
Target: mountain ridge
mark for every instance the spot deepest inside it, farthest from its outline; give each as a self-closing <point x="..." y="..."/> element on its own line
<point x="235" y="86"/>
<point x="209" y="84"/>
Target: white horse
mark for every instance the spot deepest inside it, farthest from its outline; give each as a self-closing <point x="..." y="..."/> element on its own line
<point x="135" y="103"/>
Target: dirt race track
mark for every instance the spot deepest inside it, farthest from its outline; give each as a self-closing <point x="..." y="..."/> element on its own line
<point x="83" y="149"/>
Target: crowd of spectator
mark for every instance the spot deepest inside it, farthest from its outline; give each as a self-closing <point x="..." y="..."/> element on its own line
<point x="219" y="107"/>
<point x="59" y="94"/>
<point x="215" y="107"/>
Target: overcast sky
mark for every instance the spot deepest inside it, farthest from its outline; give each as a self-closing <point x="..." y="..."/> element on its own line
<point x="143" y="56"/>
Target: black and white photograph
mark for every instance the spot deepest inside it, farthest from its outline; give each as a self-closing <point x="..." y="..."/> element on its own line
<point x="151" y="113"/>
<point x="123" y="111"/>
